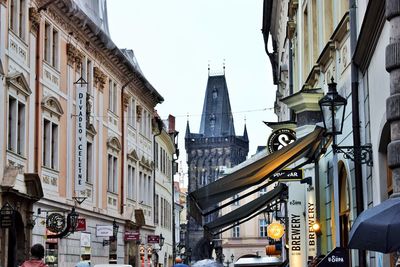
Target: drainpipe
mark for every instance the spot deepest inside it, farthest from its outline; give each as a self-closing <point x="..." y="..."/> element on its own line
<point x="292" y="114"/>
<point x="37" y="101"/>
<point x="123" y="143"/>
<point x="356" y="121"/>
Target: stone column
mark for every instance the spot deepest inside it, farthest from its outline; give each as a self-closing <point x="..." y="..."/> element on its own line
<point x="393" y="101"/>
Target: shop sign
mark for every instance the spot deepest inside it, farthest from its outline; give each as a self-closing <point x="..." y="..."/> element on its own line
<point x="336" y="258"/>
<point x="132" y="236"/>
<point x="85" y="240"/>
<point x="280" y="138"/>
<point x="55" y="222"/>
<point x="275" y="230"/>
<point x="6" y="216"/>
<point x="153" y="239"/>
<point x="288" y="175"/>
<point x="104" y="230"/>
<point x="81" y="224"/>
<point x="297" y="226"/>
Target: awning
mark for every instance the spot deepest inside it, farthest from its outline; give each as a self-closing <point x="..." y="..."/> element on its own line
<point x="201" y="200"/>
<point x="246" y="210"/>
<point x="377" y="228"/>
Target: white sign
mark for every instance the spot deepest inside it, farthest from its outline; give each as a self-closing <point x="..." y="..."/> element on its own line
<point x="297" y="226"/>
<point x="80" y="148"/>
<point x="85" y="239"/>
<point x="104" y="230"/>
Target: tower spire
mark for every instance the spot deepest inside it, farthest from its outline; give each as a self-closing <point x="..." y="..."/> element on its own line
<point x="187" y="133"/>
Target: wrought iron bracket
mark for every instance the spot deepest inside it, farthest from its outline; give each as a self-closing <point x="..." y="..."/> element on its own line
<point x="350" y="152"/>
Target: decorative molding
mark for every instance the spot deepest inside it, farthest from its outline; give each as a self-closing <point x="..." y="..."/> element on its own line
<point x="133" y="155"/>
<point x="342" y="29"/>
<point x="126" y="99"/>
<point x="291" y="28"/>
<point x="139" y="110"/>
<point x="326" y="55"/>
<point x="90" y="130"/>
<point x="114" y="143"/>
<point x="292" y="8"/>
<point x="51" y="104"/>
<point x="313" y="77"/>
<point x="18" y="81"/>
<point x="99" y="78"/>
<point x="4" y="2"/>
<point x="71" y="54"/>
<point x="34" y="17"/>
<point x="304" y="100"/>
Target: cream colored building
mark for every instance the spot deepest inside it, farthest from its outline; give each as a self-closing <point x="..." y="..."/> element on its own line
<point x="45" y="48"/>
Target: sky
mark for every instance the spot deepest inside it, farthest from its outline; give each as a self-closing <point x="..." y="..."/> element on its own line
<point x="174" y="41"/>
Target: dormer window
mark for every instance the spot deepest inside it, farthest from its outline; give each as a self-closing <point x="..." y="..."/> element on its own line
<point x="215" y="93"/>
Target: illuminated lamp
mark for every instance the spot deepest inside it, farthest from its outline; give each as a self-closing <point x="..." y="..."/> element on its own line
<point x="178" y="260"/>
<point x="275" y="230"/>
<point x="316" y="227"/>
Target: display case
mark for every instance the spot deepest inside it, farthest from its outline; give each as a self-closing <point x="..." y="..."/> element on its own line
<point x="51" y="254"/>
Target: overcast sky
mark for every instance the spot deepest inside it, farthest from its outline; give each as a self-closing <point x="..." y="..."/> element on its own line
<point x="175" y="40"/>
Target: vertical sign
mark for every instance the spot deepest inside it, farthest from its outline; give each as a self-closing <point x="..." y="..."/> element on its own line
<point x="80" y="156"/>
<point x="311" y="214"/>
<point x="297" y="226"/>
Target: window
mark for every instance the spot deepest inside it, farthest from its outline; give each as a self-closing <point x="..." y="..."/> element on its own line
<point x="132" y="112"/>
<point x="18" y="17"/>
<point x="156" y="212"/>
<point x="149" y="194"/>
<point x="141" y="187"/>
<point x="263" y="228"/>
<point x="131" y="182"/>
<point x="112" y="96"/>
<point x="50" y="144"/>
<point x="156" y="161"/>
<point x="51" y="45"/>
<point x="89" y="162"/>
<point x="236" y="231"/>
<point x="112" y="173"/>
<point x="16" y="126"/>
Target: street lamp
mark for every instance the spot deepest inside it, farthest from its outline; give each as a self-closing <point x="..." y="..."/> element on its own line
<point x="333" y="108"/>
<point x="161" y="243"/>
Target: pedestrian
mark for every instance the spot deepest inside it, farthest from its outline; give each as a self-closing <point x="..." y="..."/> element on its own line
<point x="37" y="254"/>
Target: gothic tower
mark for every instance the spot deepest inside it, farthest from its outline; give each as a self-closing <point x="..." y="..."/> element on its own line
<point x="210" y="152"/>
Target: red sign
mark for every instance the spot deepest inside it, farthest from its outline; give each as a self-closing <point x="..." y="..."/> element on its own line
<point x="81" y="225"/>
<point x="131" y="235"/>
<point x="153" y="239"/>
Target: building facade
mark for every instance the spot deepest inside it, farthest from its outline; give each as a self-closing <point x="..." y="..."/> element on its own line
<point x="209" y="153"/>
<point x="312" y="42"/>
<point x="60" y="163"/>
<point x="166" y="152"/>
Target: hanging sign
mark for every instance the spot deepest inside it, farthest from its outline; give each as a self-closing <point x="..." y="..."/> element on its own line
<point x="275" y="230"/>
<point x="280" y="138"/>
<point x="80" y="147"/>
<point x="153" y="239"/>
<point x="132" y="236"/>
<point x="288" y="175"/>
<point x="81" y="224"/>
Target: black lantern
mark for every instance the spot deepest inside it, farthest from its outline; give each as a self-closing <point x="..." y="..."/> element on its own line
<point x="161" y="242"/>
<point x="232" y="257"/>
<point x="115" y="229"/>
<point x="333" y="108"/>
<point x="73" y="216"/>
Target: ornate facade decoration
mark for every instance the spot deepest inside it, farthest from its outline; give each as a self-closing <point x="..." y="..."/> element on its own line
<point x="74" y="56"/>
<point x="139" y="110"/>
<point x="126" y="98"/>
<point x="99" y="78"/>
<point x="34" y="17"/>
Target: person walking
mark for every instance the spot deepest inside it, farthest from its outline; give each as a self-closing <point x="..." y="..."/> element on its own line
<point x="37" y="254"/>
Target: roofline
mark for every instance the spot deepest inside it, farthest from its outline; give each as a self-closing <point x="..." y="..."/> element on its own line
<point x="75" y="12"/>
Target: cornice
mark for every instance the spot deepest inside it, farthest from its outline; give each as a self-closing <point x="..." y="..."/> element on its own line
<point x="34" y="18"/>
<point x="304" y="100"/>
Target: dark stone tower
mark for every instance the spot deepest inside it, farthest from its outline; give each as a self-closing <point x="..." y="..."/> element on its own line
<point x="209" y="152"/>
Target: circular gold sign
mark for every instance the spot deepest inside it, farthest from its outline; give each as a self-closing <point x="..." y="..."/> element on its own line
<point x="275" y="230"/>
